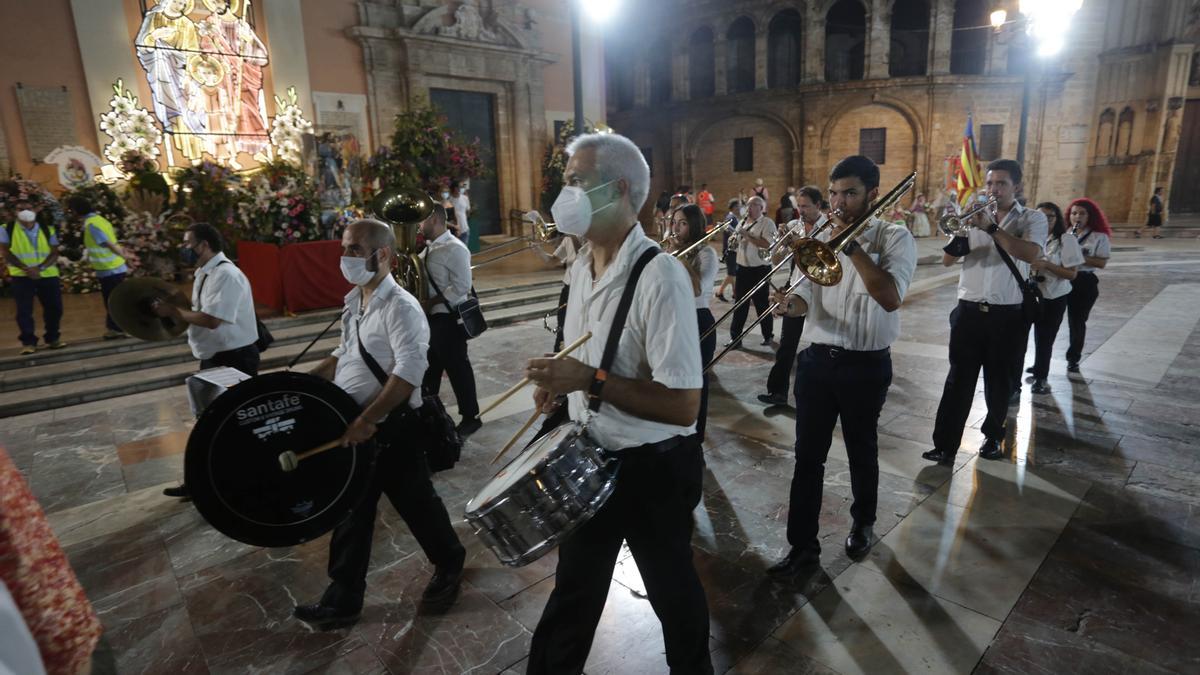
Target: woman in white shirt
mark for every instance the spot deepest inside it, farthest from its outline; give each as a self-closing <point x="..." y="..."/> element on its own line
<point x="1091" y="229"/>
<point x="688" y="225"/>
<point x="1054" y="272"/>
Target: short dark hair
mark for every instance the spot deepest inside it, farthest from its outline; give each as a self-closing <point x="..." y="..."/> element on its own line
<point x="1158" y="190"/>
<point x="79" y="204"/>
<point x="857" y="166"/>
<point x="1012" y="166"/>
<point x="209" y="234"/>
<point x="812" y="192"/>
<point x="734" y="202"/>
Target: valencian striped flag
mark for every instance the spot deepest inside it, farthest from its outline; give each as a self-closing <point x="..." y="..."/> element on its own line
<point x="969" y="174"/>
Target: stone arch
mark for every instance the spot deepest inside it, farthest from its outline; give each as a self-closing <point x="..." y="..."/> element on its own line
<point x="702" y="62"/>
<point x="905" y="140"/>
<point x="740" y="54"/>
<point x="1104" y="134"/>
<point x="1125" y="132"/>
<point x="785" y="48"/>
<point x="846" y="34"/>
<point x="776" y="162"/>
<point x="909" y="44"/>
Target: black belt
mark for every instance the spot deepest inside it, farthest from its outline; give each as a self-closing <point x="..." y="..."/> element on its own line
<point x="988" y="307"/>
<point x="651" y="448"/>
<point x="842" y="354"/>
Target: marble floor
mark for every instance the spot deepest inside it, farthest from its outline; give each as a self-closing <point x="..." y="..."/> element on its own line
<point x="1080" y="552"/>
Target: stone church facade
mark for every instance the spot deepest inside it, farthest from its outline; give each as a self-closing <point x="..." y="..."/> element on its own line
<point x="723" y="92"/>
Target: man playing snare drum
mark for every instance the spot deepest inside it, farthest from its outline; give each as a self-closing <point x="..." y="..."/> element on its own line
<point x="648" y="401"/>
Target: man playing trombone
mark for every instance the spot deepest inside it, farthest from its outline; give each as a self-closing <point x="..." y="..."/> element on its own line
<point x="846" y="371"/>
<point x="754" y="236"/>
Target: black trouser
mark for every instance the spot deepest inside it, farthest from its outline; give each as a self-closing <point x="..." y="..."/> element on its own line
<point x="448" y="354"/>
<point x="1085" y="288"/>
<point x="978" y="339"/>
<point x="402" y="474"/>
<point x="1016" y="367"/>
<point x="708" y="346"/>
<point x="746" y="278"/>
<point x="1044" y="332"/>
<point x="785" y="357"/>
<point x="561" y="313"/>
<point x="651" y="509"/>
<point x="107" y="284"/>
<point x="836" y="383"/>
<point x="244" y="359"/>
<point x="48" y="291"/>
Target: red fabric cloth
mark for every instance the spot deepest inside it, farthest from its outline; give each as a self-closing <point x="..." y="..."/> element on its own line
<point x="40" y="579"/>
<point x="261" y="265"/>
<point x="312" y="275"/>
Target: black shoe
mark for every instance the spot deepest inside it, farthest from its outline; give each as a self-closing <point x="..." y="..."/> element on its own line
<point x="182" y="492"/>
<point x="326" y="617"/>
<point x="796" y="561"/>
<point x="1040" y="387"/>
<point x="468" y="427"/>
<point x="858" y="544"/>
<point x="443" y="587"/>
<point x="940" y="456"/>
<point x="991" y="449"/>
<point x="1029" y="370"/>
<point x="1015" y="399"/>
<point x="1073" y="367"/>
<point x="721" y="297"/>
<point x="773" y="399"/>
<point x="767" y="340"/>
<point x="732" y="344"/>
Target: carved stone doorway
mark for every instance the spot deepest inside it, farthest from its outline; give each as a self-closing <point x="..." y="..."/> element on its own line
<point x="472" y="114"/>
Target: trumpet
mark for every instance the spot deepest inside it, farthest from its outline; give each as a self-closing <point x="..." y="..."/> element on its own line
<point x="541" y="233"/>
<point x="958" y="225"/>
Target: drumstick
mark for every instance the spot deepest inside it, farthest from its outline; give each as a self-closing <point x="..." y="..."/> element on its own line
<point x="518" y="386"/>
<point x="288" y="460"/>
<point x="528" y="423"/>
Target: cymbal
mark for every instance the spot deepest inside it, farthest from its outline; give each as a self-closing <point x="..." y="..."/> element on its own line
<point x="130" y="303"/>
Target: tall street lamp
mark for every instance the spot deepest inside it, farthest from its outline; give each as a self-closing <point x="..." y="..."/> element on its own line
<point x="1046" y="24"/>
<point x="599" y="11"/>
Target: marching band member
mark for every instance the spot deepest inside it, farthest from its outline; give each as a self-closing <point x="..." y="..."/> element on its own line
<point x="808" y="206"/>
<point x="1054" y="272"/>
<point x="647" y="404"/>
<point x="846" y="371"/>
<point x="688" y="225"/>
<point x="384" y="322"/>
<point x="754" y="236"/>
<point x="729" y="253"/>
<point x="987" y="324"/>
<point x="1092" y="231"/>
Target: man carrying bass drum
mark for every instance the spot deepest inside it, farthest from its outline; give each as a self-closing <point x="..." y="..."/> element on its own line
<point x="384" y="337"/>
<point x="643" y="411"/>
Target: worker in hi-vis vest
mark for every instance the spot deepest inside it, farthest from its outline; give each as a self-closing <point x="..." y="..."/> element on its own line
<point x="31" y="249"/>
<point x="104" y="253"/>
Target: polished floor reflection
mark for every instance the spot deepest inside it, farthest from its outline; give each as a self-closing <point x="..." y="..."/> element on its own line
<point x="1080" y="552"/>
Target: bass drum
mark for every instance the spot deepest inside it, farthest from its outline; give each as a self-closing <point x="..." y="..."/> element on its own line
<point x="232" y="462"/>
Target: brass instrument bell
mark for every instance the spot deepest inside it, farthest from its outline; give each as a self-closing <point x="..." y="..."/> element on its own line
<point x="405" y="209"/>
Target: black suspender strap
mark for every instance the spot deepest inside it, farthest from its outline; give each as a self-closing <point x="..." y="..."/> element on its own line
<point x="618" y="326"/>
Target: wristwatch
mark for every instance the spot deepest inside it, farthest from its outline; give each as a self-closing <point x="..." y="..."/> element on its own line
<point x="851" y="247"/>
<point x="991" y="229"/>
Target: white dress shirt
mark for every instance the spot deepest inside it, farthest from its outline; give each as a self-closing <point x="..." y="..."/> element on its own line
<point x="448" y="262"/>
<point x="566" y="253"/>
<point x="985" y="277"/>
<point x="1063" y="251"/>
<point x="1094" y="244"/>
<point x="845" y="315"/>
<point x="394" y="332"/>
<point x="749" y="255"/>
<point x="226" y="296"/>
<point x="462" y="204"/>
<point x="658" y="343"/>
<point x="707" y="264"/>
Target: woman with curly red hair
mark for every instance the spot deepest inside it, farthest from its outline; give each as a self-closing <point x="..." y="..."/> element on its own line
<point x="1091" y="229"/>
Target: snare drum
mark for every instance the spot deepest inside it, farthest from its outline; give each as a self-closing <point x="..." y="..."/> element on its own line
<point x="533" y="503"/>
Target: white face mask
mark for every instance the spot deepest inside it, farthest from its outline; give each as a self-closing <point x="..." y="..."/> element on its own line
<point x="355" y="270"/>
<point x="26" y="216"/>
<point x="445" y="195"/>
<point x="573" y="211"/>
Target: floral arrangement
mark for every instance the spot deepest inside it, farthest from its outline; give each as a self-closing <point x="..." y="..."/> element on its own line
<point x="209" y="193"/>
<point x="288" y="128"/>
<point x="279" y="204"/>
<point x="131" y="127"/>
<point x="424" y="153"/>
<point x="143" y="175"/>
<point x="146" y="232"/>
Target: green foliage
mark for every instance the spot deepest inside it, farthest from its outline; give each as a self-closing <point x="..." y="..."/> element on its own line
<point x="424" y="153"/>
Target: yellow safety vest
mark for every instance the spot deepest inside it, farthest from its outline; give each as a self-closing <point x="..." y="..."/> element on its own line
<point x="28" y="253"/>
<point x="101" y="257"/>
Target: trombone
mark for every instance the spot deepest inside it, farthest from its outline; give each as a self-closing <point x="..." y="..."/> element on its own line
<point x="958" y="225"/>
<point x="541" y="234"/>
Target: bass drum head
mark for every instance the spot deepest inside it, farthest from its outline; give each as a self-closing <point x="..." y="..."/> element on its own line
<point x="522" y="464"/>
<point x="232" y="462"/>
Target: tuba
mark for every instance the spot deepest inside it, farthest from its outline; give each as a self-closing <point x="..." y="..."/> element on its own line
<point x="405" y="209"/>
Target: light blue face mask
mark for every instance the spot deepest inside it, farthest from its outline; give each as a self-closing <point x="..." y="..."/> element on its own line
<point x="573" y="209"/>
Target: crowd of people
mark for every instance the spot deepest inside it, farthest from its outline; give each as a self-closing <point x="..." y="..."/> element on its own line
<point x="639" y="387"/>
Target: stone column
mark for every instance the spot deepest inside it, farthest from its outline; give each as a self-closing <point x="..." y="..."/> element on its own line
<point x="720" y="48"/>
<point x="879" y="41"/>
<point x="679" y="74"/>
<point x="814" y="46"/>
<point x="761" y="46"/>
<point x="941" y="32"/>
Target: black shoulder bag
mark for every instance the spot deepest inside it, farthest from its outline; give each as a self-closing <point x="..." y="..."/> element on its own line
<point x="468" y="312"/>
<point x="1031" y="294"/>
<point x="265" y="339"/>
<point x="443" y="447"/>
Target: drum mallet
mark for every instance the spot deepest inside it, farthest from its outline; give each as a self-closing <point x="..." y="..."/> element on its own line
<point x="288" y="460"/>
<point x="528" y="423"/>
<point x="518" y="386"/>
